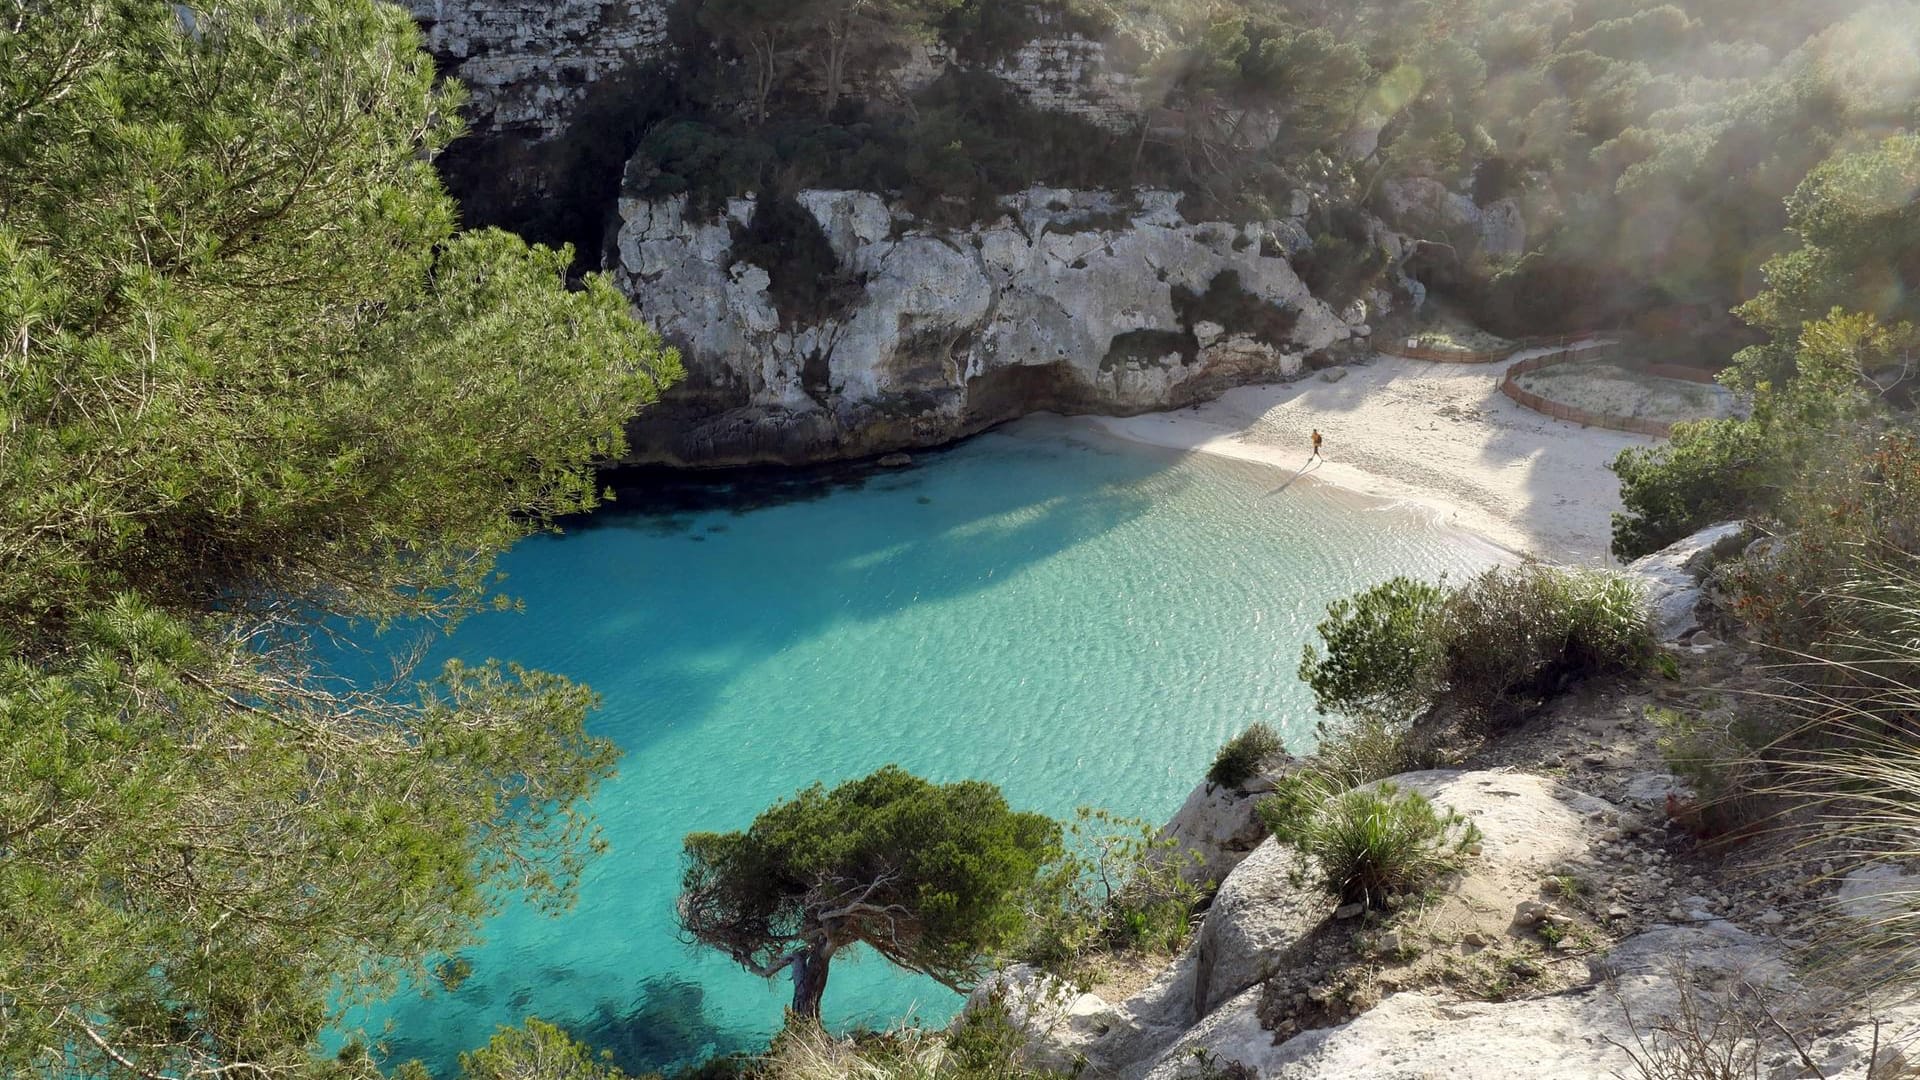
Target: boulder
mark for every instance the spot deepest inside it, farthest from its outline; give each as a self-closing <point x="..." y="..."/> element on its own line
<point x="1066" y="1029"/>
<point x="1269" y="904"/>
<point x="1265" y="907"/>
<point x="1878" y="893"/>
<point x="1671" y="577"/>
<point x="1216" y="828"/>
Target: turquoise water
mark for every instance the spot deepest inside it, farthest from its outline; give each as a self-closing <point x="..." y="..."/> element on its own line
<point x="1079" y="620"/>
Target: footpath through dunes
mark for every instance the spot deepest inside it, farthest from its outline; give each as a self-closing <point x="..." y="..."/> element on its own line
<point x="1441" y="436"/>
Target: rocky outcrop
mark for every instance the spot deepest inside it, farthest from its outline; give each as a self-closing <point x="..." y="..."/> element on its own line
<point x="1426" y="208"/>
<point x="1268" y="909"/>
<point x="526" y="63"/>
<point x="1421" y="1034"/>
<point x="1218" y="826"/>
<point x="1069" y="301"/>
<point x="1211" y="1011"/>
<point x="1672" y="577"/>
<point x="1265" y="906"/>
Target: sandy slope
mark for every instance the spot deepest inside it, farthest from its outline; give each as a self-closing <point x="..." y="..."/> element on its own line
<point x="1438" y="435"/>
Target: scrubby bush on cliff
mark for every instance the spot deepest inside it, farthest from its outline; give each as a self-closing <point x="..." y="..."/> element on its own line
<point x="1372" y="844"/>
<point x="1117" y="886"/>
<point x="1241" y="757"/>
<point x="1838" y="310"/>
<point x="1812" y="423"/>
<point x="1517" y="634"/>
<point x="1352" y="751"/>
<point x="932" y="877"/>
<point x="1510" y="633"/>
<point x="1383" y="648"/>
<point x="258" y="384"/>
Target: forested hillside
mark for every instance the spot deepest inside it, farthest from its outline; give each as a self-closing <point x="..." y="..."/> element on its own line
<point x="1650" y="146"/>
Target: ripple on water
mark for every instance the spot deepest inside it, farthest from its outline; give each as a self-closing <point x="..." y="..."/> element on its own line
<point x="1079" y="620"/>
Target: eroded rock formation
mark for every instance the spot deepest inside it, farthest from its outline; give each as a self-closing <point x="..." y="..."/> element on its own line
<point x="1069" y="301"/>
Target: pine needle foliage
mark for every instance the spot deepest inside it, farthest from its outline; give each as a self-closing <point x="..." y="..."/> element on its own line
<point x="254" y="386"/>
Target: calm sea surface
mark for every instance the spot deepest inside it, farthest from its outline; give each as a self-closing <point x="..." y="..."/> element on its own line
<point x="1079" y="620"/>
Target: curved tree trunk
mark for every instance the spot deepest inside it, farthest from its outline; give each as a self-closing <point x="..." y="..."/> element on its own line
<point x="810" y="979"/>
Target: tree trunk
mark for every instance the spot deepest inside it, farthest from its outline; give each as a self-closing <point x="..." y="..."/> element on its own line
<point x="810" y="979"/>
<point x="838" y="39"/>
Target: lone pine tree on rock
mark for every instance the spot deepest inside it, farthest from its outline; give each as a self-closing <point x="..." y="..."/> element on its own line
<point x="930" y="876"/>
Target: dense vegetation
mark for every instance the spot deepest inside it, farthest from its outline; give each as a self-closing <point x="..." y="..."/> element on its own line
<point x="1484" y="651"/>
<point x="255" y="386"/>
<point x="1839" y="311"/>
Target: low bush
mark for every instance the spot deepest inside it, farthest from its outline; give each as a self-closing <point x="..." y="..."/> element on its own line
<point x="1383" y="649"/>
<point x="1352" y="751"/>
<point x="1519" y="633"/>
<point x="1510" y="635"/>
<point x="1843" y="567"/>
<point x="1371" y="844"/>
<point x="1242" y="756"/>
<point x="1118" y="886"/>
<point x="1710" y="470"/>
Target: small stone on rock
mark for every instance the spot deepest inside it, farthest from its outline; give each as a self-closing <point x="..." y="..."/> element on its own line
<point x="896" y="461"/>
<point x="1349" y="911"/>
<point x="1333" y="374"/>
<point x="1531" y="912"/>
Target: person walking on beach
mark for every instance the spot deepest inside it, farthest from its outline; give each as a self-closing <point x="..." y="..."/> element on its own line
<point x="1316" y="443"/>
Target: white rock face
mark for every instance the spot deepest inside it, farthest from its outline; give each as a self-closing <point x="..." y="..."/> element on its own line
<point x="528" y="62"/>
<point x="1420" y="1035"/>
<point x="1264" y="907"/>
<point x="1218" y="826"/>
<point x="1671" y="576"/>
<point x="1427" y="208"/>
<point x="1071" y="75"/>
<point x="949" y="331"/>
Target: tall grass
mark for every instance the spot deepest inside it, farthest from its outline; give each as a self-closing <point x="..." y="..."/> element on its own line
<point x="1242" y="757"/>
<point x="1372" y="844"/>
<point x="1852" y="757"/>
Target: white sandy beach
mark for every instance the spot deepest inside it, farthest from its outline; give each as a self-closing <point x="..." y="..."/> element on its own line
<point x="1442" y="436"/>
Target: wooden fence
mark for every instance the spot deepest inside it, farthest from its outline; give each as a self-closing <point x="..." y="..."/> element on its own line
<point x="1510" y="386"/>
<point x="1400" y="348"/>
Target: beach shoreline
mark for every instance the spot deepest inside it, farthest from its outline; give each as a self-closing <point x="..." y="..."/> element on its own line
<point x="1440" y="438"/>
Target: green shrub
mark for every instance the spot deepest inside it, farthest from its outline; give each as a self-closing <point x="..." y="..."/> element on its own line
<point x="1710" y="470"/>
<point x="1383" y="649"/>
<point x="1840" y="570"/>
<point x="1402" y="647"/>
<point x="1117" y="886"/>
<point x="1522" y="632"/>
<point x="1371" y="844"/>
<point x="1352" y="751"/>
<point x="1241" y="757"/>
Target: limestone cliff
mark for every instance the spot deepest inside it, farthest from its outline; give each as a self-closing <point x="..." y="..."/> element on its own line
<point x="526" y="63"/>
<point x="1069" y="301"/>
